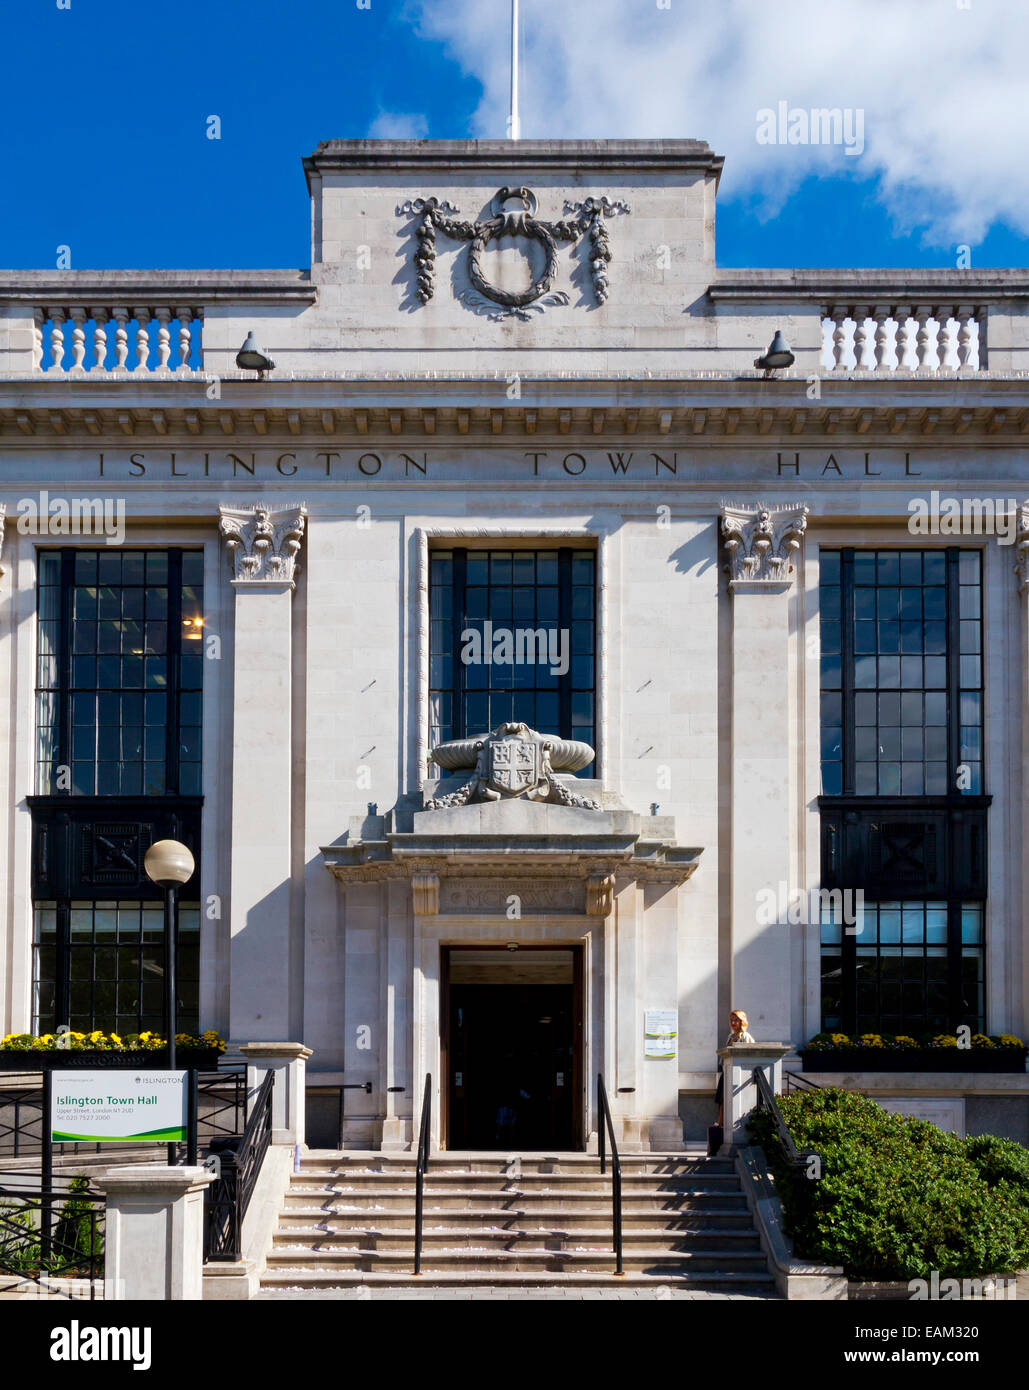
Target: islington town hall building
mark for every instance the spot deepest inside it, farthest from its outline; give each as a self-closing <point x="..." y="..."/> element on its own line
<point x="545" y="640"/>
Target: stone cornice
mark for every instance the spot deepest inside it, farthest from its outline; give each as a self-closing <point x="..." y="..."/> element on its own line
<point x="554" y="413"/>
<point x="762" y="543"/>
<point x="165" y="287"/>
<point x="456" y="158"/>
<point x="564" y="856"/>
<point x="868" y="286"/>
<point x="263" y="543"/>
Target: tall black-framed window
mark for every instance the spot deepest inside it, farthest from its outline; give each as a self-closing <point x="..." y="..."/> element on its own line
<point x="903" y="804"/>
<point x="100" y="964"/>
<point x="513" y="637"/>
<point x="902" y="677"/>
<point x="119" y="671"/>
<point x="119" y="679"/>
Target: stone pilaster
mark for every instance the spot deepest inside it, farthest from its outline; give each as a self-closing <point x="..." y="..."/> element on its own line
<point x="3" y="519"/>
<point x="762" y="544"/>
<point x="263" y="544"/>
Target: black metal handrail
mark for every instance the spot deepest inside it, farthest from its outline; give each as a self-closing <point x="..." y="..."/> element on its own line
<point x="606" y="1130"/>
<point x="227" y="1198"/>
<point x="420" y="1170"/>
<point x="796" y="1158"/>
<point x="795" y="1082"/>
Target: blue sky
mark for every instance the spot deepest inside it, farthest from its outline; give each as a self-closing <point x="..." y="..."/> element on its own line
<point x="105" y="107"/>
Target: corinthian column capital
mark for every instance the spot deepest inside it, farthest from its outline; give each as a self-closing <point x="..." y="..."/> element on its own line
<point x="1022" y="548"/>
<point x="263" y="542"/>
<point x="762" y="543"/>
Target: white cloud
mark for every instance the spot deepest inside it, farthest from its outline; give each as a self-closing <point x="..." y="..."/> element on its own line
<point x="943" y="89"/>
<point x="398" y="125"/>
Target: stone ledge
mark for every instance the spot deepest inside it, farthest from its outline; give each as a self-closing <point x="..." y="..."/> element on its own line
<point x="794" y="1278"/>
<point x="923" y="1083"/>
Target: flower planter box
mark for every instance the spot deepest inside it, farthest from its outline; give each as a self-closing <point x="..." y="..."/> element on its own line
<point x="151" y="1059"/>
<point x="1001" y="1059"/>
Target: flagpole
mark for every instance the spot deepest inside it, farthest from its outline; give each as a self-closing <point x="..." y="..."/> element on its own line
<point x="515" y="124"/>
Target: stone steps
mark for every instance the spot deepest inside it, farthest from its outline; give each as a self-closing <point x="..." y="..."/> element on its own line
<point x="488" y="1260"/>
<point x="522" y="1218"/>
<point x="355" y="1200"/>
<point x="542" y="1221"/>
<point x="446" y="1239"/>
<point x="734" y="1284"/>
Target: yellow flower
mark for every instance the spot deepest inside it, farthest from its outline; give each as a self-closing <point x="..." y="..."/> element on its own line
<point x="116" y="1040"/>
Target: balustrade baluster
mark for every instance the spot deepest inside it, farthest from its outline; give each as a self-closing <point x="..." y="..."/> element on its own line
<point x="38" y="320"/>
<point x="860" y="313"/>
<point x="881" y="312"/>
<point x="922" y="314"/>
<point x="901" y="313"/>
<point x="185" y="315"/>
<point x="963" y="314"/>
<point x="839" y="336"/>
<point x="57" y="318"/>
<point x="945" y="337"/>
<point x="163" y="316"/>
<point x="142" y="339"/>
<point x="78" y="339"/>
<point x="100" y="318"/>
<point x="121" y="338"/>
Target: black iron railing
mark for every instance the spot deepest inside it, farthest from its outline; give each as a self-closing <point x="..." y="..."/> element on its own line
<point x="239" y="1161"/>
<point x="606" y="1130"/>
<point x="340" y="1089"/>
<point x="792" y="1081"/>
<point x="420" y="1170"/>
<point x="52" y="1238"/>
<point x="797" y="1158"/>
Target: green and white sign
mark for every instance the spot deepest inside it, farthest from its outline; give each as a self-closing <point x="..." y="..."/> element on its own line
<point x="108" y="1107"/>
<point x="661" y="1034"/>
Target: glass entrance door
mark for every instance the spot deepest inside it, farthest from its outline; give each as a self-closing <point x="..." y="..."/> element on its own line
<point x="512" y="1031"/>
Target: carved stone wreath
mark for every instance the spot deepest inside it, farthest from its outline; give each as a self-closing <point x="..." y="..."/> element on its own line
<point x="434" y="216"/>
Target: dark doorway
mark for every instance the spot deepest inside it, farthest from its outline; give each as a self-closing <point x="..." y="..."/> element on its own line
<point x="512" y="1047"/>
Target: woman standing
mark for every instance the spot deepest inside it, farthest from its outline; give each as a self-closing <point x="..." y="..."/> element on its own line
<point x="737" y="1034"/>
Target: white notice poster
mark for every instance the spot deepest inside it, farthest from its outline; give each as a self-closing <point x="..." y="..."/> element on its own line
<point x="661" y="1034"/>
<point x="110" y="1106"/>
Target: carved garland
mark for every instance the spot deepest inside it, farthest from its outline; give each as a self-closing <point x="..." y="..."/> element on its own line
<point x="434" y="216"/>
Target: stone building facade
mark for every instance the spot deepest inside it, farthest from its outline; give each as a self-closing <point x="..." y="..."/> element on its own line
<point x="516" y="484"/>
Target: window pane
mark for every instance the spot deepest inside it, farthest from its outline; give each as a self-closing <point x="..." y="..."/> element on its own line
<point x="120" y="639"/>
<point x="540" y="605"/>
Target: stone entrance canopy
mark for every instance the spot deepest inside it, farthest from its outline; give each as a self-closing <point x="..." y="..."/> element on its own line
<point x="576" y="867"/>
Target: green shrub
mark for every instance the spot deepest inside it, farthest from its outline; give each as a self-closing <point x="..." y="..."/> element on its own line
<point x="898" y="1198"/>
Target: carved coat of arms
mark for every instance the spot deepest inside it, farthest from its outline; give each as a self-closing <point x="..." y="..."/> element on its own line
<point x="587" y="219"/>
<point x="512" y="761"/>
<point x="513" y="765"/>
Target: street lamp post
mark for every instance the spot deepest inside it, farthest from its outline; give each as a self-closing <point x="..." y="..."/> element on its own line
<point x="169" y="864"/>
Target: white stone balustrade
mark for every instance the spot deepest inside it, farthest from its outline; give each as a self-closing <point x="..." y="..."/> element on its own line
<point x="74" y="341"/>
<point x="924" y="338"/>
